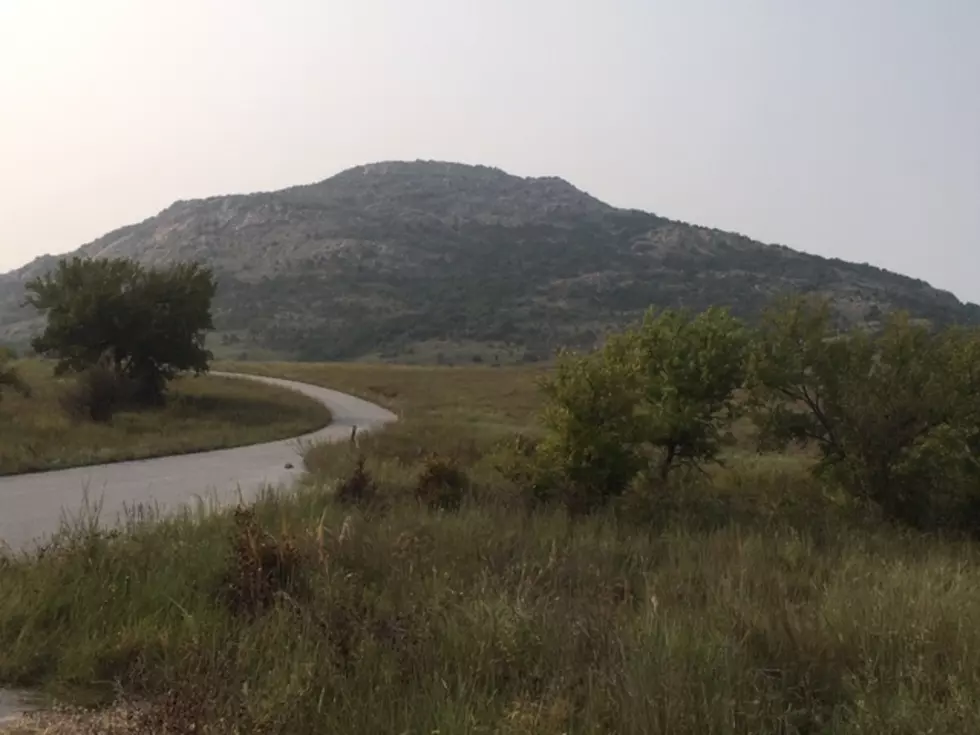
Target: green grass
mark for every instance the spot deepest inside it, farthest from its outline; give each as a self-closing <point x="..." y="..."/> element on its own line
<point x="753" y="601"/>
<point x="201" y="414"/>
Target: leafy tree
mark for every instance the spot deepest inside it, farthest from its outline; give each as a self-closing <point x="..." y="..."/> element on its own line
<point x="589" y="452"/>
<point x="657" y="396"/>
<point x="895" y="414"/>
<point x="149" y="324"/>
<point x="688" y="371"/>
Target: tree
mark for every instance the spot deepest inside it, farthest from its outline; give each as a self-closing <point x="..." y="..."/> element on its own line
<point x="654" y="397"/>
<point x="688" y="372"/>
<point x="895" y="414"/>
<point x="149" y="324"/>
<point x="589" y="452"/>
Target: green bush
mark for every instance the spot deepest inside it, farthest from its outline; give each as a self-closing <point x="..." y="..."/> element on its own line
<point x="652" y="399"/>
<point x="151" y="322"/>
<point x="895" y="414"/>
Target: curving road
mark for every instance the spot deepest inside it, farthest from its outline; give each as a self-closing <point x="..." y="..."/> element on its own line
<point x="32" y="506"/>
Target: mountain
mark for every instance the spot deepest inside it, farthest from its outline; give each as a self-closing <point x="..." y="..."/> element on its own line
<point x="412" y="259"/>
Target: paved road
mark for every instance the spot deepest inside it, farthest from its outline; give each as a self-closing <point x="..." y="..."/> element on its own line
<point x="32" y="506"/>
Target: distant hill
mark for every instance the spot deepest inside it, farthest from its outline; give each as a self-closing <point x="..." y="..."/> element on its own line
<point x="417" y="260"/>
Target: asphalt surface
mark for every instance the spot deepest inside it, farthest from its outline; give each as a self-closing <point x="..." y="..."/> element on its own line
<point x="33" y="506"/>
<point x="13" y="704"/>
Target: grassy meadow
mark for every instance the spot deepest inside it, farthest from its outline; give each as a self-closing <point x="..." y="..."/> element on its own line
<point x="753" y="599"/>
<point x="208" y="412"/>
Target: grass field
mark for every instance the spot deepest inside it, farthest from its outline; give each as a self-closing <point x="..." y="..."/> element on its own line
<point x="752" y="601"/>
<point x="201" y="413"/>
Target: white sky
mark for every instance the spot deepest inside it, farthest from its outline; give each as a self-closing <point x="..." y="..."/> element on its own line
<point x="842" y="127"/>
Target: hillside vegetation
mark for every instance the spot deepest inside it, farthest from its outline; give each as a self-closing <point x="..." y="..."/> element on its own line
<point x="500" y="562"/>
<point x="430" y="261"/>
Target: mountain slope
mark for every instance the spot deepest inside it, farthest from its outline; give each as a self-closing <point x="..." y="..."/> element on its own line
<point x="385" y="258"/>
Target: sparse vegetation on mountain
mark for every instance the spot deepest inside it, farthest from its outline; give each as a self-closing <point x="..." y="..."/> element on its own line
<point x="146" y="325"/>
<point x="442" y="262"/>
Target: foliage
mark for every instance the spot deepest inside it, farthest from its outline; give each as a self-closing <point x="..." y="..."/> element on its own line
<point x="260" y="567"/>
<point x="441" y="484"/>
<point x="658" y="395"/>
<point x="689" y="370"/>
<point x="752" y="600"/>
<point x="590" y="449"/>
<point x="358" y="488"/>
<point x="10" y="378"/>
<point x="895" y="414"/>
<point x="97" y="393"/>
<point x="149" y="323"/>
<point x="776" y="614"/>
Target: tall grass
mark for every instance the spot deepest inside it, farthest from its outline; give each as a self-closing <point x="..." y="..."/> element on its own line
<point x="489" y="620"/>
<point x="753" y="601"/>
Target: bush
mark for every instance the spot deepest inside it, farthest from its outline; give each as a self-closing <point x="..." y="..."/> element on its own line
<point x="357" y="489"/>
<point x="97" y="394"/>
<point x="260" y="568"/>
<point x="894" y="414"/>
<point x="441" y="484"/>
<point x="654" y="398"/>
<point x="10" y="378"/>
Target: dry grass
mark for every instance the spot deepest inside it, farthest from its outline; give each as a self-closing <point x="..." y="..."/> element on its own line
<point x="753" y="601"/>
<point x="456" y="411"/>
<point x="506" y="398"/>
<point x="203" y="413"/>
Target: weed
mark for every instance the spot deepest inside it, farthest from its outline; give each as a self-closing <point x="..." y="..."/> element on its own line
<point x="96" y="395"/>
<point x="441" y="484"/>
<point x="261" y="568"/>
<point x="358" y="488"/>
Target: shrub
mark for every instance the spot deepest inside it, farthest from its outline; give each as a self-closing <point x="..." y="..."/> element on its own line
<point x="96" y="394"/>
<point x="260" y="568"/>
<point x="653" y="398"/>
<point x="894" y="414"/>
<point x="441" y="484"/>
<point x="358" y="488"/>
<point x="10" y="378"/>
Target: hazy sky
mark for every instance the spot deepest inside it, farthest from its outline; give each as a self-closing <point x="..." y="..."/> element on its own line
<point x="841" y="127"/>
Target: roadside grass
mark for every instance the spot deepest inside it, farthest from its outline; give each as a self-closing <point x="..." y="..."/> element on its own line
<point x="202" y="413"/>
<point x="457" y="411"/>
<point x="754" y="600"/>
<point x="493" y="398"/>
